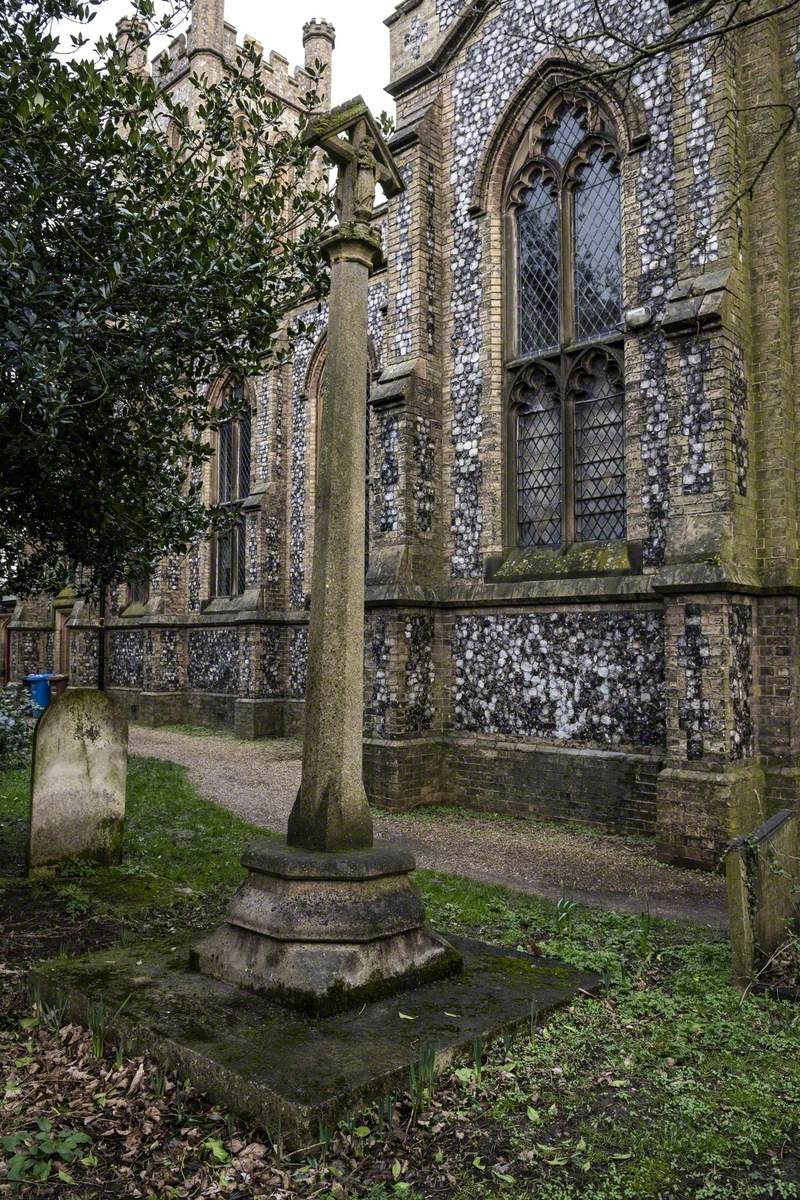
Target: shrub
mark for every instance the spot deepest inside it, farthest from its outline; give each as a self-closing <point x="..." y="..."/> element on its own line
<point x="16" y="728"/>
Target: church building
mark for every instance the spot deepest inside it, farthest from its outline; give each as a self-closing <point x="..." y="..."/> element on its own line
<point x="583" y="554"/>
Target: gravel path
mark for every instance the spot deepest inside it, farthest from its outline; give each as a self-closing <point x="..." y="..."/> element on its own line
<point x="259" y="780"/>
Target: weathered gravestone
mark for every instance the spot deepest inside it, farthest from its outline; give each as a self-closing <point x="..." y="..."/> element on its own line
<point x="763" y="875"/>
<point x="78" y="779"/>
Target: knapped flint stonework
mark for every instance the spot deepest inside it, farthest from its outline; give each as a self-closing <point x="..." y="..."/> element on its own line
<point x="448" y="10"/>
<point x="695" y="708"/>
<point x="402" y="301"/>
<point x="424" y="454"/>
<point x="166" y="676"/>
<point x="83" y="665"/>
<point x="298" y="661"/>
<point x="492" y="69"/>
<point x="741" y="445"/>
<point x="741" y="676"/>
<point x="376" y="709"/>
<point x="262" y="459"/>
<point x="700" y="144"/>
<point x="654" y="449"/>
<point x="697" y="418"/>
<point x="431" y="272"/>
<point x="125" y="663"/>
<point x="575" y="678"/>
<point x="213" y="660"/>
<point x="388" y="471"/>
<point x="376" y="320"/>
<point x="419" y="674"/>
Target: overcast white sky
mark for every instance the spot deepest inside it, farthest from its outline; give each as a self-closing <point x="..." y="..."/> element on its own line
<point x="361" y="58"/>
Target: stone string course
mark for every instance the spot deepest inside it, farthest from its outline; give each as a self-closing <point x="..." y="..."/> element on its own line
<point x="575" y="678"/>
<point x="493" y="67"/>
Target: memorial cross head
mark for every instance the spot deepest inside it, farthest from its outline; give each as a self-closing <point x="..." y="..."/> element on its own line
<point x="350" y="137"/>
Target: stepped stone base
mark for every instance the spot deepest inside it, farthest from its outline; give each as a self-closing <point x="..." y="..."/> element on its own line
<point x="285" y="1071"/>
<point x="324" y="932"/>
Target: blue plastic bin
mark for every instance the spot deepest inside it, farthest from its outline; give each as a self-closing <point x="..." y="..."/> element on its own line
<point x="39" y="688"/>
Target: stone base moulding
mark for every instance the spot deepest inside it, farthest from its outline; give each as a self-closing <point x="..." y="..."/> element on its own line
<point x="287" y="1072"/>
<point x="323" y="932"/>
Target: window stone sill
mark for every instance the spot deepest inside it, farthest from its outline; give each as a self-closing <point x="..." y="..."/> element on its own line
<point x="581" y="560"/>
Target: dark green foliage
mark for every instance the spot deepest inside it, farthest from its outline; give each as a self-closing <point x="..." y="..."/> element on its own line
<point x="35" y="1155"/>
<point x="132" y="276"/>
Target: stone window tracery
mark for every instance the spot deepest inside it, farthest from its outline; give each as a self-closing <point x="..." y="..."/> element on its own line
<point x="232" y="478"/>
<point x="565" y="323"/>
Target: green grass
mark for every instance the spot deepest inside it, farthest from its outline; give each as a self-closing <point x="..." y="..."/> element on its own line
<point x="669" y="1086"/>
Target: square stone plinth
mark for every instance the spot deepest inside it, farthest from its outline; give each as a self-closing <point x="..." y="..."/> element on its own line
<point x="281" y="1070"/>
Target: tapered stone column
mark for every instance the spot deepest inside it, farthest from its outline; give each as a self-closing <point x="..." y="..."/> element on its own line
<point x="328" y="919"/>
<point x="331" y="811"/>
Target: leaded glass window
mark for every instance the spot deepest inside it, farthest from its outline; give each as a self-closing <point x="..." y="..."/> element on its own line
<point x="565" y="371"/>
<point x="232" y="487"/>
<point x="599" y="398"/>
<point x="538" y="444"/>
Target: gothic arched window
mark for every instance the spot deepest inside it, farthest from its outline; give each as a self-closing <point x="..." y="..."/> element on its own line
<point x="565" y="326"/>
<point x="232" y="479"/>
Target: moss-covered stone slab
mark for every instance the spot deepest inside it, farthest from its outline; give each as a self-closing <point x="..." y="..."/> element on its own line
<point x="78" y="780"/>
<point x="287" y="1072"/>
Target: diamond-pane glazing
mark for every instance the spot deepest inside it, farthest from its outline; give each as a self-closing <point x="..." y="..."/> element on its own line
<point x="224" y="564"/>
<point x="241" y="558"/>
<point x="225" y="463"/>
<point x="245" y="435"/>
<point x="566" y="136"/>
<point x="599" y="452"/>
<point x="598" y="252"/>
<point x="539" y="463"/>
<point x="539" y="252"/>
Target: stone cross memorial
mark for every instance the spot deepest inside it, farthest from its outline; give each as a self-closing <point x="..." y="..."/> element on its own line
<point x="328" y="919"/>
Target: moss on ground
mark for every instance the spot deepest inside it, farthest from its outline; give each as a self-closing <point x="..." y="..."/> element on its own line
<point x="670" y="1086"/>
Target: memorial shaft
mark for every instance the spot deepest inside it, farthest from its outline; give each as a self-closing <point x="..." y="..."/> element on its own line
<point x="331" y="812"/>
